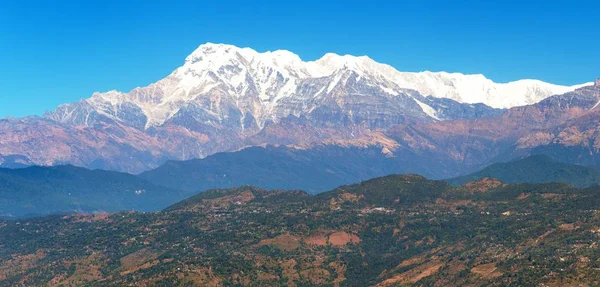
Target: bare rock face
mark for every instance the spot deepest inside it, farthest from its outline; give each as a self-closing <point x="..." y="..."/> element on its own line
<point x="225" y="98"/>
<point x="563" y="127"/>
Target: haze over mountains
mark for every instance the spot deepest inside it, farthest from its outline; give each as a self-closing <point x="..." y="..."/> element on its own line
<point x="36" y="191"/>
<point x="316" y="170"/>
<point x="226" y="98"/>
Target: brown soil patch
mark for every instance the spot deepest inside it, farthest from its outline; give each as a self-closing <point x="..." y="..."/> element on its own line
<point x="262" y="276"/>
<point x="141" y="259"/>
<point x="455" y="267"/>
<point x="523" y="196"/>
<point x="240" y="198"/>
<point x="413" y="275"/>
<point x="567" y="227"/>
<point x="285" y="242"/>
<point x="240" y="280"/>
<point x="202" y="277"/>
<point x="20" y="264"/>
<point x="317" y="261"/>
<point x="338" y="238"/>
<point x="482" y="185"/>
<point x="351" y="197"/>
<point x="532" y="242"/>
<point x="427" y="272"/>
<point x="141" y="267"/>
<point x="568" y="282"/>
<point x="340" y="271"/>
<point x="550" y="195"/>
<point x="541" y="237"/>
<point x="334" y="203"/>
<point x="319" y="240"/>
<point x="412" y="261"/>
<point x="289" y="271"/>
<point x="487" y="270"/>
<point x="91" y="217"/>
<point x="316" y="276"/>
<point x="86" y="269"/>
<point x="427" y="241"/>
<point x="342" y="238"/>
<point x="316" y="239"/>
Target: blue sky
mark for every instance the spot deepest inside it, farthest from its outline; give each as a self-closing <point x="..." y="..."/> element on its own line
<point x="52" y="52"/>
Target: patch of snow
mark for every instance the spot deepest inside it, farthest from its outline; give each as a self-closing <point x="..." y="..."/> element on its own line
<point x="427" y="109"/>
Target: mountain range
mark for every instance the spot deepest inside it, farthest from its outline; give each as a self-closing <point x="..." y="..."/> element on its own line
<point x="224" y="99"/>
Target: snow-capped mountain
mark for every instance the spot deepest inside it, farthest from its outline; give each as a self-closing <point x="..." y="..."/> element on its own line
<point x="223" y="85"/>
<point x="225" y="98"/>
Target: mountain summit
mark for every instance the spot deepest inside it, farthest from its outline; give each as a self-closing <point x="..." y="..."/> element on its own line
<point x="223" y="83"/>
<point x="225" y="98"/>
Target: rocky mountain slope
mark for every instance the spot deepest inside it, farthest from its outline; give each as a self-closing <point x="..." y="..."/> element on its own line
<point x="399" y="230"/>
<point x="561" y="127"/>
<point x="226" y="98"/>
<point x="244" y="89"/>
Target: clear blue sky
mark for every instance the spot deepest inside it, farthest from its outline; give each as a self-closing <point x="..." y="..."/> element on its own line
<point x="52" y="52"/>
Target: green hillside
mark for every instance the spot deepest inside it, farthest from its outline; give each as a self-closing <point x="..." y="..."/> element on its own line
<point x="401" y="230"/>
<point x="316" y="170"/>
<point x="535" y="169"/>
<point x="65" y="189"/>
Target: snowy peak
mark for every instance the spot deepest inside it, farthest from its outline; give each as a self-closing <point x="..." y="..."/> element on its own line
<point x="331" y="62"/>
<point x="220" y="84"/>
<point x="221" y="55"/>
<point x="215" y="52"/>
<point x="464" y="88"/>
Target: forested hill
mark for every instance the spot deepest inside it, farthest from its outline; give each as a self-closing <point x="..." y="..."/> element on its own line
<point x="401" y="230"/>
<point x="535" y="169"/>
<point x="67" y="189"/>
